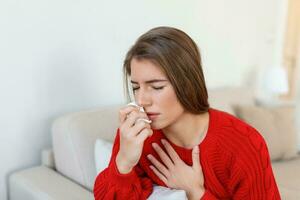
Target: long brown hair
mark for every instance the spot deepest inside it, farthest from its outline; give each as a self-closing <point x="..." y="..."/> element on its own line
<point x="178" y="56"/>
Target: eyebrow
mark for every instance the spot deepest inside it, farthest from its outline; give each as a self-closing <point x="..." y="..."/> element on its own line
<point x="151" y="81"/>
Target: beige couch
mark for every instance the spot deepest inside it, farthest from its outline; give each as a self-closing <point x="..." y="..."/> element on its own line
<point x="68" y="170"/>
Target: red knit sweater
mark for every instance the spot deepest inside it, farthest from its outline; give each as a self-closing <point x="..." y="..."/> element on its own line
<point x="234" y="159"/>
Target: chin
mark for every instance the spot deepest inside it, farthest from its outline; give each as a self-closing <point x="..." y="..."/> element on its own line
<point x="158" y="126"/>
<point x="155" y="127"/>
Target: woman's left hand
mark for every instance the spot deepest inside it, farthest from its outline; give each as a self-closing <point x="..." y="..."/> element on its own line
<point x="175" y="173"/>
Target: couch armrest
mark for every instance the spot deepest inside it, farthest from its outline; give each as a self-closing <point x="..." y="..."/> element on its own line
<point x="42" y="183"/>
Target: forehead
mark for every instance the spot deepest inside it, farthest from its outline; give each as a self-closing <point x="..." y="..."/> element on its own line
<point x="144" y="70"/>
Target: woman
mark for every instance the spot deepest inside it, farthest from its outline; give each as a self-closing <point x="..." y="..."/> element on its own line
<point x="188" y="145"/>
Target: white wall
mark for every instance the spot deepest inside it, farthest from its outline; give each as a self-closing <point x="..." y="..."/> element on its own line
<point x="61" y="56"/>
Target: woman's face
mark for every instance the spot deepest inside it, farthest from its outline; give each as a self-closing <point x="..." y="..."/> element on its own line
<point x="153" y="91"/>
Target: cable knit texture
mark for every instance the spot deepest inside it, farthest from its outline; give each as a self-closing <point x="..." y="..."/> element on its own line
<point x="234" y="158"/>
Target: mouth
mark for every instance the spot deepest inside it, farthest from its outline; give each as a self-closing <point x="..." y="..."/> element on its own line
<point x="152" y="115"/>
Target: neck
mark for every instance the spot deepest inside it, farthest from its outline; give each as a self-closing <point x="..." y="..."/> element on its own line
<point x="189" y="130"/>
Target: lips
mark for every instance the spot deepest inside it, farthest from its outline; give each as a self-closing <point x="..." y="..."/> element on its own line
<point x="152" y="115"/>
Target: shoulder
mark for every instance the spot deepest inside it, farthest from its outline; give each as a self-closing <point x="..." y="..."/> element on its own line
<point x="226" y="122"/>
<point x="225" y="119"/>
<point x="233" y="133"/>
<point x="242" y="145"/>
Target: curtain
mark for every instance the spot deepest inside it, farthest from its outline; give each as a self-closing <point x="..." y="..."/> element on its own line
<point x="291" y="54"/>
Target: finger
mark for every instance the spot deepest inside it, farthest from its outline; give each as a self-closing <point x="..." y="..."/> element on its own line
<point x="123" y="112"/>
<point x="196" y="158"/>
<point x="159" y="166"/>
<point x="144" y="134"/>
<point x="171" y="152"/>
<point x="138" y="116"/>
<point x="160" y="176"/>
<point x="138" y="127"/>
<point x="163" y="156"/>
<point x="132" y="118"/>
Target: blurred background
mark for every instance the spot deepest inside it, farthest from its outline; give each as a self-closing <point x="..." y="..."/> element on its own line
<point x="63" y="56"/>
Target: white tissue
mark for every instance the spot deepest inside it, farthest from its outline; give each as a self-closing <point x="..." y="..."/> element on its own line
<point x="134" y="104"/>
<point x="145" y="120"/>
<point x="141" y="109"/>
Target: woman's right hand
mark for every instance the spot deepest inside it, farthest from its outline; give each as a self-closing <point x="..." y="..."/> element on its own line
<point x="133" y="133"/>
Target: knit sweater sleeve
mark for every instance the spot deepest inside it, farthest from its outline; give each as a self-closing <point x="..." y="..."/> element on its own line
<point x="110" y="184"/>
<point x="251" y="171"/>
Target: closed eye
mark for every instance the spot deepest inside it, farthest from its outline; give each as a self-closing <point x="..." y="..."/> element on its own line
<point x="156" y="88"/>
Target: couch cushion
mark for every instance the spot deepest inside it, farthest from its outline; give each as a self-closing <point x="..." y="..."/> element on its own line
<point x="43" y="183"/>
<point x="74" y="136"/>
<point x="288" y="178"/>
<point x="277" y="126"/>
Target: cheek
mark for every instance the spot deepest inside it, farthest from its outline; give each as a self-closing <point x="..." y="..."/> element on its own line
<point x="169" y="103"/>
<point x="164" y="99"/>
<point x="170" y="108"/>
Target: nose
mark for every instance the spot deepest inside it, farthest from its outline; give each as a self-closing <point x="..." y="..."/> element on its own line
<point x="143" y="98"/>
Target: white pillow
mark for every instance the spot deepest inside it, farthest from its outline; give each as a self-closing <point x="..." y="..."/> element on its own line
<point x="164" y="193"/>
<point x="103" y="151"/>
<point x="102" y="154"/>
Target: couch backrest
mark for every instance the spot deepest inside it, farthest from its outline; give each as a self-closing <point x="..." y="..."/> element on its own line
<point x="225" y="98"/>
<point x="74" y="134"/>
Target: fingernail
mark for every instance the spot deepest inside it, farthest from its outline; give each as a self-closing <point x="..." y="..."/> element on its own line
<point x="148" y="156"/>
<point x="154" y="145"/>
<point x="163" y="141"/>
